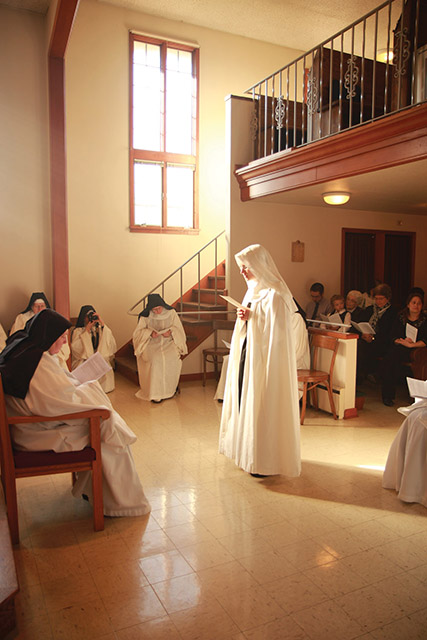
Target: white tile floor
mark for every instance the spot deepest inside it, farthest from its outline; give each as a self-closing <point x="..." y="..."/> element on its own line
<point x="225" y="556"/>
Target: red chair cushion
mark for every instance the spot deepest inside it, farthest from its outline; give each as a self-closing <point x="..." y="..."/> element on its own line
<point x="44" y="458"/>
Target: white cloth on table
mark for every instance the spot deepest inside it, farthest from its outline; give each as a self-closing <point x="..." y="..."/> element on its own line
<point x="159" y="359"/>
<point x="53" y="391"/>
<point x="406" y="467"/>
<point x="20" y="322"/>
<point x="262" y="436"/>
<point x="82" y="349"/>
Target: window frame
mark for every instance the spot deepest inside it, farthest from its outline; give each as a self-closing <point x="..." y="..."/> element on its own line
<point x="163" y="157"/>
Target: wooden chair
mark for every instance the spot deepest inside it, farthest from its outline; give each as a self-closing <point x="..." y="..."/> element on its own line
<point x="311" y="378"/>
<point x="215" y="354"/>
<point x="23" y="464"/>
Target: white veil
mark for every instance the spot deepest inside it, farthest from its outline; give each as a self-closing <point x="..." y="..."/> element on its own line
<point x="261" y="264"/>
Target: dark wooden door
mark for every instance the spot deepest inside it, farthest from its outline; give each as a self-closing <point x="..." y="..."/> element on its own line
<point x="370" y="256"/>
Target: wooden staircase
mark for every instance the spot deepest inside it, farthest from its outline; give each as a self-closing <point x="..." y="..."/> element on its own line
<point x="197" y="326"/>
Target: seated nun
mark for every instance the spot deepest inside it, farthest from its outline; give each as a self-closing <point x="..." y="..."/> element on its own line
<point x="36" y="303"/>
<point x="3" y="338"/>
<point x="91" y="335"/>
<point x="35" y="383"/>
<point x="159" y="342"/>
<point x="406" y="467"/>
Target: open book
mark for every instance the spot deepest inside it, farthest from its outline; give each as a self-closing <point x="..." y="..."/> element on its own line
<point x="231" y="301"/>
<point x="417" y="388"/>
<point x="363" y="327"/>
<point x="335" y="318"/>
<point x="92" y="369"/>
<point x="411" y="332"/>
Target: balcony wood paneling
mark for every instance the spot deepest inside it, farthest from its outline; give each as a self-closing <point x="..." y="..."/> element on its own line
<point x="393" y="140"/>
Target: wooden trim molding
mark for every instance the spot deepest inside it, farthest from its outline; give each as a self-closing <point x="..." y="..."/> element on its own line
<point x="64" y="19"/>
<point x="393" y="140"/>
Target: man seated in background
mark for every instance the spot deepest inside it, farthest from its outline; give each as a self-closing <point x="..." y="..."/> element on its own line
<point x="318" y="304"/>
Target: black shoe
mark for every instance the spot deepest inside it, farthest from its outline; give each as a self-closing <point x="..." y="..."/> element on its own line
<point x="388" y="402"/>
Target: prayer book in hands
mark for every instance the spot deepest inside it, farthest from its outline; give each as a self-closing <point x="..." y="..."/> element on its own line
<point x="232" y="301"/>
<point x="363" y="327"/>
<point x="417" y="388"/>
<point x="411" y="332"/>
<point x="91" y="369"/>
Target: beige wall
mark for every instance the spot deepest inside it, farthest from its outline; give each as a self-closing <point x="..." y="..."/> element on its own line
<point x="276" y="226"/>
<point x="25" y="248"/>
<point x="110" y="267"/>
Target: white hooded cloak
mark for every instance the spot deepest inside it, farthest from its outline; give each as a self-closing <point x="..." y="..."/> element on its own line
<point x="263" y="435"/>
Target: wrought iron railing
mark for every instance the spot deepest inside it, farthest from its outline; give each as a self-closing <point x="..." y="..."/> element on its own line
<point x="375" y="67"/>
<point x="196" y="266"/>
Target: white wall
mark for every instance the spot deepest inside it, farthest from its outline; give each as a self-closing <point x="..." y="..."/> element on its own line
<point x="110" y="267"/>
<point x="25" y="246"/>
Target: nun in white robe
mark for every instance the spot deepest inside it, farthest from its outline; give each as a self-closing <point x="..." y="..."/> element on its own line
<point x="159" y="341"/>
<point x="88" y="338"/>
<point x="260" y="427"/>
<point x="406" y="467"/>
<point x="35" y="383"/>
<point x="36" y="303"/>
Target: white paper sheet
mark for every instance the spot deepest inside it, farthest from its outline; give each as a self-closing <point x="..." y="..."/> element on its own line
<point x="92" y="369"/>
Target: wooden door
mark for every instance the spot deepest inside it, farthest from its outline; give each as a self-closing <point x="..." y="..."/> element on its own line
<point x="370" y="256"/>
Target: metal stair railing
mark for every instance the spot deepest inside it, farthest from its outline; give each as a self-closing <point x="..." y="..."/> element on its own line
<point x="180" y="270"/>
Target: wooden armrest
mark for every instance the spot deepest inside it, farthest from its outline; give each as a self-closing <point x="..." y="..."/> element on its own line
<point x="93" y="413"/>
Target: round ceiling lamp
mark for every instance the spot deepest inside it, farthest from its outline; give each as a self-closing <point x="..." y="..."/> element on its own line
<point x="336" y="197"/>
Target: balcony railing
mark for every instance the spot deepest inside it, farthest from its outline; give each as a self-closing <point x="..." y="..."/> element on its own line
<point x="375" y="67"/>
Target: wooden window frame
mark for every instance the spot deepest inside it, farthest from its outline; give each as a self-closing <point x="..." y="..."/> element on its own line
<point x="163" y="156"/>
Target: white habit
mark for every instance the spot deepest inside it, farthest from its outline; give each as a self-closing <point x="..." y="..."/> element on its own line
<point x="159" y="359"/>
<point x="20" y="322"/>
<point x="263" y="436"/>
<point x="406" y="467"/>
<point x="302" y="355"/>
<point x="82" y="349"/>
<point x="53" y="391"/>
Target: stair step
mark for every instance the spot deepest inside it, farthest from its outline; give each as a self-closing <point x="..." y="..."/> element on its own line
<point x="211" y="291"/>
<point x="204" y="306"/>
<point x="195" y="321"/>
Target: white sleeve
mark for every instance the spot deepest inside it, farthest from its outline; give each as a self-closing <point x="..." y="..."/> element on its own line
<point x="141" y="336"/>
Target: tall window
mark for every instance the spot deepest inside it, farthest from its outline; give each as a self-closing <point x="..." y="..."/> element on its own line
<point x="163" y="136"/>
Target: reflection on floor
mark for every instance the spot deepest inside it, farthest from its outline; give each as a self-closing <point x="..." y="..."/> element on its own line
<point x="224" y="556"/>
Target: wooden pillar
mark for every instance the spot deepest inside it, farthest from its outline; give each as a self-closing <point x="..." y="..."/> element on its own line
<point x="65" y="15"/>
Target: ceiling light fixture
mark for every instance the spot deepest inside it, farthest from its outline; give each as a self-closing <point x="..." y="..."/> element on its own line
<point x="384" y="54"/>
<point x="336" y="197"/>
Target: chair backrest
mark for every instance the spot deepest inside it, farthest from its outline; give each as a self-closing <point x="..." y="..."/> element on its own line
<point x="221" y="325"/>
<point x="324" y="342"/>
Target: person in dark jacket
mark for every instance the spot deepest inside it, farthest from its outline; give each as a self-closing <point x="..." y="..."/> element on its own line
<point x="381" y="316"/>
<point x="409" y="331"/>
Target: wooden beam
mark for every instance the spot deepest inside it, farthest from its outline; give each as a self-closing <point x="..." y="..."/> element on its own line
<point x="64" y="19"/>
<point x="393" y="140"/>
<point x="58" y="187"/>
